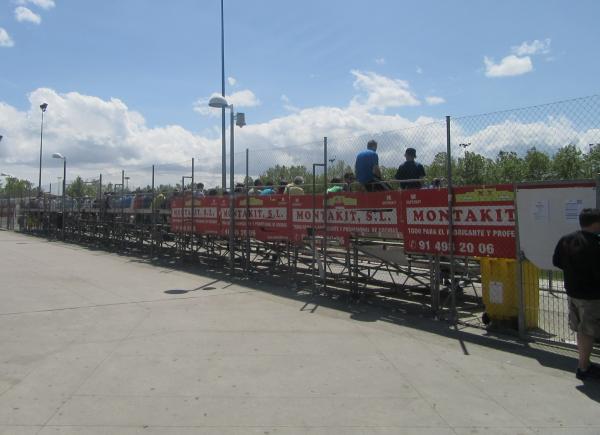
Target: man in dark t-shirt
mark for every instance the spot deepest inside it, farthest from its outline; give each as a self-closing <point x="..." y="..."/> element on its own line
<point x="410" y="170"/>
<point x="578" y="255"/>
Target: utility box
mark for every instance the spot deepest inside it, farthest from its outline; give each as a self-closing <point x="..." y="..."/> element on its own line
<point x="500" y="292"/>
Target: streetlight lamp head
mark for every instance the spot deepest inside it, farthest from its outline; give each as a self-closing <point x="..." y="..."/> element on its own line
<point x="58" y="156"/>
<point x="44" y="106"/>
<point x="240" y="119"/>
<point x="218" y="102"/>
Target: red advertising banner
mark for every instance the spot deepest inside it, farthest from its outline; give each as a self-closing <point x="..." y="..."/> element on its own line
<point x="206" y="215"/>
<point x="368" y="214"/>
<point x="484" y="221"/>
<point x="267" y="217"/>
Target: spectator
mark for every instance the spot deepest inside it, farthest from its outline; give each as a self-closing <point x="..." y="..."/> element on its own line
<point x="268" y="189"/>
<point x="348" y="180"/>
<point x="410" y="170"/>
<point x="159" y="201"/>
<point x="239" y="188"/>
<point x="578" y="255"/>
<point x="199" y="191"/>
<point x="336" y="186"/>
<point x="367" y="168"/>
<point x="258" y="184"/>
<point x="295" y="188"/>
<point x="282" y="185"/>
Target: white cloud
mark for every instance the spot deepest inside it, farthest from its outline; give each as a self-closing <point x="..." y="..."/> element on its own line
<point x="419" y="70"/>
<point x="94" y="134"/>
<point x="381" y="92"/>
<point x="5" y="39"/>
<point x="105" y="136"/>
<point x="232" y="81"/>
<point x="287" y="104"/>
<point x="433" y="100"/>
<point x="509" y="66"/>
<point x="534" y="47"/>
<point x="380" y="61"/>
<point x="510" y="135"/>
<point x="244" y="98"/>
<point x="24" y="14"/>
<point x="44" y="4"/>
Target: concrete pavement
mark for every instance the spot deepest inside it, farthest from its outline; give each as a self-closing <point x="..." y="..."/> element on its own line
<point x="96" y="343"/>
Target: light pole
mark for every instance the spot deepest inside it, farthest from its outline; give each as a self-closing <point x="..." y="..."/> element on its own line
<point x="43" y="107"/>
<point x="64" y="178"/>
<point x="240" y="120"/>
<point x="223" y="149"/>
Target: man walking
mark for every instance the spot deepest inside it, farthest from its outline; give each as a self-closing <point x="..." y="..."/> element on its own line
<point x="578" y="255"/>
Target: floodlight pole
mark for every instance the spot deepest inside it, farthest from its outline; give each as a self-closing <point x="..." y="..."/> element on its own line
<point x="43" y="108"/>
<point x="231" y="193"/>
<point x="223" y="145"/>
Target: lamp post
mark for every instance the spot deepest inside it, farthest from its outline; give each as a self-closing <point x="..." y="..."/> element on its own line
<point x="43" y="108"/>
<point x="223" y="148"/>
<point x="240" y="120"/>
<point x="64" y="178"/>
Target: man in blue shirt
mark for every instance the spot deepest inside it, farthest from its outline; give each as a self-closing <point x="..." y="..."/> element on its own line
<point x="367" y="168"/>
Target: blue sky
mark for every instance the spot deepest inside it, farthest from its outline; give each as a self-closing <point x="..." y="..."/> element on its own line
<point x="160" y="60"/>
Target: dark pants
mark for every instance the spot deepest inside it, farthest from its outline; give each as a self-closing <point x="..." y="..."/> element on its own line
<point x="377" y="186"/>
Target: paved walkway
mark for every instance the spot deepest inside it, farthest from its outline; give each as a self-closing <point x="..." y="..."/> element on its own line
<point x="90" y="343"/>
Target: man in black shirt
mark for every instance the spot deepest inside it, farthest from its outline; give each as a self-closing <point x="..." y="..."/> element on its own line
<point x="578" y="255"/>
<point x="410" y="170"/>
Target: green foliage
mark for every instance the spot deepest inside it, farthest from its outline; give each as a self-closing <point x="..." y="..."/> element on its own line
<point x="537" y="165"/>
<point x="473" y="168"/>
<point x="568" y="163"/>
<point x="509" y="168"/>
<point x="78" y="189"/>
<point x="15" y="187"/>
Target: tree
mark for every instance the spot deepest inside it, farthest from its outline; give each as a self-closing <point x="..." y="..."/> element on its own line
<point x="568" y="163"/>
<point x="16" y="187"/>
<point x="592" y="161"/>
<point x="474" y="169"/>
<point x="78" y="189"/>
<point x="508" y="167"/>
<point x="438" y="167"/>
<point x="537" y="165"/>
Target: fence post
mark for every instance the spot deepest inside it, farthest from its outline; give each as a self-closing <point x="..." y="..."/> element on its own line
<point x="247" y="211"/>
<point x="519" y="274"/>
<point x="192" y="219"/>
<point x="153" y="221"/>
<point x="325" y="220"/>
<point x="450" y="221"/>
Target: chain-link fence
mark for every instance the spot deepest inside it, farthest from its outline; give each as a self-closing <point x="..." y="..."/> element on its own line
<point x="546" y="143"/>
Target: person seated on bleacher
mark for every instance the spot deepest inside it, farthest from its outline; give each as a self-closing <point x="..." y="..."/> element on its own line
<point x="336" y="187"/>
<point x="268" y="189"/>
<point x="410" y="170"/>
<point x="282" y="185"/>
<point x="295" y="188"/>
<point x="367" y="169"/>
<point x="258" y="184"/>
